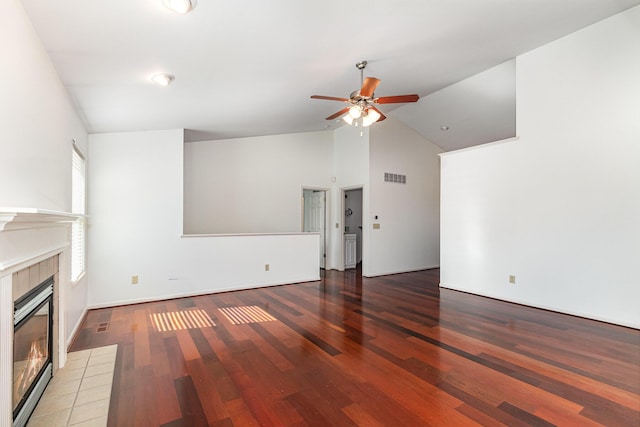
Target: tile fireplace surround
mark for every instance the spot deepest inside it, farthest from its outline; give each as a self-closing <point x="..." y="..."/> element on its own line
<point x="34" y="245"/>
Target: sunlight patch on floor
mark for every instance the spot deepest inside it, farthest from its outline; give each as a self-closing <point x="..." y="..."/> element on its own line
<point x="246" y="314"/>
<point x="178" y="320"/>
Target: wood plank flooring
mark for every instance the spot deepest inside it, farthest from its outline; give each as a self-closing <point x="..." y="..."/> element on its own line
<point x="346" y="351"/>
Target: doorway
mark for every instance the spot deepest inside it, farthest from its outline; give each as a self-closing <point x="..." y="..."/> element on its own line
<point x="353" y="227"/>
<point x="314" y="217"/>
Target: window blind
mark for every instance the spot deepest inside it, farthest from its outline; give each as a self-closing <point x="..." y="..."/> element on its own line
<point x="78" y="229"/>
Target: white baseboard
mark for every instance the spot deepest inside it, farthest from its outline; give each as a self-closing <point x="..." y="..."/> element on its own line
<point x="544" y="307"/>
<point x="75" y="329"/>
<point x="389" y="273"/>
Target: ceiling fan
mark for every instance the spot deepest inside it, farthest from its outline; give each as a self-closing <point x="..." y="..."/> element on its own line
<point x="361" y="109"/>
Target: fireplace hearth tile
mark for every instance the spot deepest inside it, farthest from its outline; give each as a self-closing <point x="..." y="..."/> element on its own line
<point x="95" y="422"/>
<point x="56" y="419"/>
<point x="101" y="359"/>
<point x="78" y="355"/>
<point x="61" y="387"/>
<point x="103" y="368"/>
<point x="92" y="394"/>
<point x="74" y="374"/>
<point x="91" y="385"/>
<point x="96" y="380"/>
<point x="82" y="413"/>
<point x="101" y="351"/>
<point x="52" y="404"/>
<point x="76" y="364"/>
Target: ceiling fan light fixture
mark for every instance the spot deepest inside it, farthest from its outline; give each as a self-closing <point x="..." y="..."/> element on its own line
<point x="348" y="119"/>
<point x="355" y="111"/>
<point x="360" y="110"/>
<point x="370" y="118"/>
<point x="163" y="79"/>
<point x="180" y="6"/>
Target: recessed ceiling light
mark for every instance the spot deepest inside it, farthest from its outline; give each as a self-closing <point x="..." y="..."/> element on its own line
<point x="163" y="79"/>
<point x="180" y="6"/>
<point x="444" y="128"/>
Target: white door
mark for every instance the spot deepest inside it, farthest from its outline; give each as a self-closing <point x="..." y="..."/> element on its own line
<point x="315" y="217"/>
<point x="350" y="245"/>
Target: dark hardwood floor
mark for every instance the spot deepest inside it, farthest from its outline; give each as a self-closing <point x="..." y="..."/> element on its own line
<point x="347" y="351"/>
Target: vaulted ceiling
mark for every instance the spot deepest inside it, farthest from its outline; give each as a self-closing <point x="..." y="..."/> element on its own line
<point x="248" y="68"/>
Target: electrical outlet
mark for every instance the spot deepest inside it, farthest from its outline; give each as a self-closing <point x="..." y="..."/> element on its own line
<point x="266" y="267"/>
<point x="512" y="279"/>
<point x="134" y="280"/>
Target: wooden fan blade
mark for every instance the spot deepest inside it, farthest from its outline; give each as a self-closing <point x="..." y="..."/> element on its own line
<point x="396" y="99"/>
<point x="329" y="98"/>
<point x="338" y="114"/>
<point x="369" y="86"/>
<point x="382" y="116"/>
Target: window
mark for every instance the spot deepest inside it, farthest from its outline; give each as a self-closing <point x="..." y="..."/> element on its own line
<point x="78" y="229"/>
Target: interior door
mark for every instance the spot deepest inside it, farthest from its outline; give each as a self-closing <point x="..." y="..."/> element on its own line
<point x="314" y="221"/>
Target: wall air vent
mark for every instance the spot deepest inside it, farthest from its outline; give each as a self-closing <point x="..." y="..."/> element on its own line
<point x="394" y="177"/>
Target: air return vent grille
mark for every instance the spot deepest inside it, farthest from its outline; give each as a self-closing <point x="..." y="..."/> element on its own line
<point x="395" y="178"/>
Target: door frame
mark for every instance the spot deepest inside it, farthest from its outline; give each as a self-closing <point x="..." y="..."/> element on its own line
<point x="323" y="237"/>
<point x="343" y="191"/>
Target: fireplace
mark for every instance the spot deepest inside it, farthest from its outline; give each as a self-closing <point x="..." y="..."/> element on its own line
<point x="32" y="349"/>
<point x="34" y="247"/>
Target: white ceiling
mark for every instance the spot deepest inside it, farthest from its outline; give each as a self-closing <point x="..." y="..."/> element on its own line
<point x="248" y="68"/>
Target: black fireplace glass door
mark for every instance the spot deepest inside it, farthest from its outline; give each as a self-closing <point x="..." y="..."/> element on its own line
<point x="31" y="348"/>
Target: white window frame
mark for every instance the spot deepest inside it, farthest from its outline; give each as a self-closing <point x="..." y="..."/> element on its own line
<point x="78" y="206"/>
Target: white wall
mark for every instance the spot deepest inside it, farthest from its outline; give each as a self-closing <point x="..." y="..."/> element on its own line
<point x="252" y="185"/>
<point x="37" y="124"/>
<point x="135" y="228"/>
<point x="351" y="170"/>
<point x="408" y="214"/>
<point x="37" y="120"/>
<point x="408" y="239"/>
<point x="456" y="106"/>
<point x="559" y="207"/>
